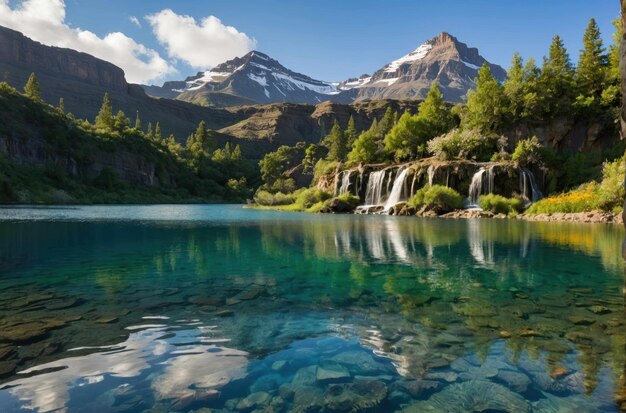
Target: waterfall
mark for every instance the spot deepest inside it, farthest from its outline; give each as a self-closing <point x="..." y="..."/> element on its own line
<point x="374" y="189"/>
<point x="413" y="184"/>
<point x="345" y="183"/>
<point x="431" y="174"/>
<point x="478" y="186"/>
<point x="397" y="190"/>
<point x="527" y="181"/>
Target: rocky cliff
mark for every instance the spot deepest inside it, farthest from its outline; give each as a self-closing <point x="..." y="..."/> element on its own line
<point x="81" y="80"/>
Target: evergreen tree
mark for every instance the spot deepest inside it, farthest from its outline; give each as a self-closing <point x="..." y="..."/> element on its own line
<point x="202" y="142"/>
<point x="434" y="113"/>
<point x="531" y="99"/>
<point x="120" y="121"/>
<point x="387" y="122"/>
<point x="104" y="119"/>
<point x="351" y="133"/>
<point x="614" y="51"/>
<point x="157" y="132"/>
<point x="31" y="89"/>
<point x="485" y="104"/>
<point x="514" y="87"/>
<point x="312" y="154"/>
<point x="236" y="154"/>
<point x="336" y="143"/>
<point x="556" y="80"/>
<point x="62" y="106"/>
<point x="591" y="73"/>
<point x="137" y="121"/>
<point x="149" y="133"/>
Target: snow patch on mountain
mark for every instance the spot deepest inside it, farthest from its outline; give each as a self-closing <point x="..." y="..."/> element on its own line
<point x="415" y="55"/>
<point x="470" y="65"/>
<point x="261" y="80"/>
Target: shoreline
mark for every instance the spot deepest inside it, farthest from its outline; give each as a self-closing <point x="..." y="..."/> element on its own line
<point x="590" y="217"/>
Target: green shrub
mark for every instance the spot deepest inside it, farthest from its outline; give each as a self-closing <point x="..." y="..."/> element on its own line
<point x="437" y="197"/>
<point x="306" y="198"/>
<point x="611" y="188"/>
<point x="266" y="198"/>
<point x="464" y="144"/>
<point x="527" y="151"/>
<point x="499" y="204"/>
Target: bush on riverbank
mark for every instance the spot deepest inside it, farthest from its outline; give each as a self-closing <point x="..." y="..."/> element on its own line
<point x="607" y="195"/>
<point x="266" y="198"/>
<point x="437" y="198"/>
<point x="499" y="204"/>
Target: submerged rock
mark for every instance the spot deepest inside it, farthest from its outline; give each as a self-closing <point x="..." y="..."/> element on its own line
<point x="515" y="380"/>
<point x="329" y="375"/>
<point x="472" y="396"/>
<point x="253" y="401"/>
<point x="355" y="397"/>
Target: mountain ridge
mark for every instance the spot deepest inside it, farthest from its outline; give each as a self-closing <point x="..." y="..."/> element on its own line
<point x="258" y="78"/>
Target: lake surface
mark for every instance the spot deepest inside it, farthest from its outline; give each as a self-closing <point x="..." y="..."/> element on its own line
<point x="226" y="309"/>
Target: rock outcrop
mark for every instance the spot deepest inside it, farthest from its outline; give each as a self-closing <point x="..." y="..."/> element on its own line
<point x="82" y="80"/>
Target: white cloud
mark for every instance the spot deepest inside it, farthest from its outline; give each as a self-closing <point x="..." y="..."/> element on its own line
<point x="201" y="44"/>
<point x="44" y="21"/>
<point x="135" y="21"/>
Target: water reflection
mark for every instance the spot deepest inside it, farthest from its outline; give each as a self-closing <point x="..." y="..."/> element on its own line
<point x="400" y="313"/>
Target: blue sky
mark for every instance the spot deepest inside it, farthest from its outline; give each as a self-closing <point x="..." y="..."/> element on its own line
<point x="334" y="40"/>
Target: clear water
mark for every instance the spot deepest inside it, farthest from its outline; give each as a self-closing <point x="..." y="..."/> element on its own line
<point x="225" y="309"/>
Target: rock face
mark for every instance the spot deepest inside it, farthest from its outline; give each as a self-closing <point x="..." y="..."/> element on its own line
<point x="257" y="78"/>
<point x="286" y="123"/>
<point x="81" y="80"/>
<point x="443" y="59"/>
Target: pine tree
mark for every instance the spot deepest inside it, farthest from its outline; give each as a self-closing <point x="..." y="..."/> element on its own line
<point x="149" y="133"/>
<point x="157" y="132"/>
<point x="104" y="119"/>
<point x="31" y="89"/>
<point x="514" y="87"/>
<point x="435" y="114"/>
<point x="387" y="122"/>
<point x="591" y="73"/>
<point x="121" y="122"/>
<point x="557" y="80"/>
<point x="485" y="104"/>
<point x="62" y="106"/>
<point x="236" y="154"/>
<point x="351" y="133"/>
<point x="531" y="98"/>
<point x="137" y="121"/>
<point x="202" y="142"/>
<point x="336" y="143"/>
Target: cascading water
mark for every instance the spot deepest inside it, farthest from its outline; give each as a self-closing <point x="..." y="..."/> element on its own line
<point x="345" y="183"/>
<point x="431" y="174"/>
<point x="397" y="190"/>
<point x="374" y="189"/>
<point x="478" y="186"/>
<point x="527" y="181"/>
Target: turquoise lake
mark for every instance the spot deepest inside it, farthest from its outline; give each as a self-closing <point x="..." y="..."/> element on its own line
<point x="227" y="309"/>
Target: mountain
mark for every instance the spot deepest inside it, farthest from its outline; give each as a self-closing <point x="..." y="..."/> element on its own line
<point x="253" y="78"/>
<point x="82" y="80"/>
<point x="257" y="78"/>
<point x="443" y="59"/>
